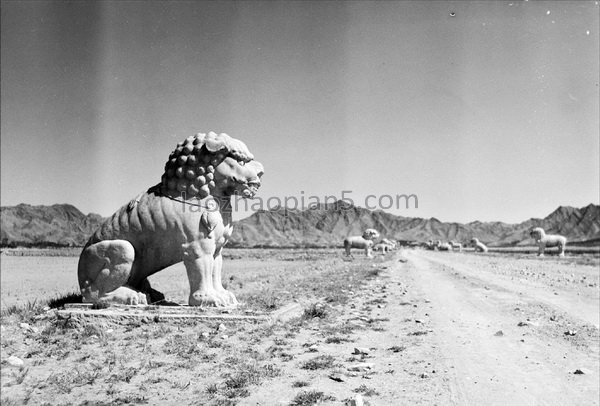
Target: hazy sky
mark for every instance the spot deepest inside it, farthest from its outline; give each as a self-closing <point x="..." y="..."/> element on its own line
<point x="486" y="110"/>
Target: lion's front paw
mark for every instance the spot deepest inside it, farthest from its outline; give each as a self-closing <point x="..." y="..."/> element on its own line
<point x="228" y="297"/>
<point x="207" y="299"/>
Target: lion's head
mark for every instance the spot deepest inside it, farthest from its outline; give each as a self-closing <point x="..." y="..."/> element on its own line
<point x="537" y="233"/>
<point x="370" y="234"/>
<point x="211" y="164"/>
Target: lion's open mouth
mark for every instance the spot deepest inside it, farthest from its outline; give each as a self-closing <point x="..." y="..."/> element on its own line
<point x="251" y="189"/>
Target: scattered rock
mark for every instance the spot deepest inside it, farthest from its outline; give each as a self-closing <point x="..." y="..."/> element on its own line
<point x="499" y="333"/>
<point x="582" y="371"/>
<point x="222" y="327"/>
<point x="313" y="348"/>
<point x="424" y="375"/>
<point x="361" y="351"/>
<point x="14" y="361"/>
<point x="553" y="318"/>
<point x="205" y="334"/>
<point x="363" y="366"/>
<point x="108" y="331"/>
<point x="357" y="401"/>
<point x="523" y="323"/>
<point x="338" y="377"/>
<point x="571" y="332"/>
<point x="418" y="321"/>
<point x="224" y="337"/>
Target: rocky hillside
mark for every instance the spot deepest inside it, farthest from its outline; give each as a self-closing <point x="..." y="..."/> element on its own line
<point x="327" y="225"/>
<point x="322" y="226"/>
<point x="59" y="224"/>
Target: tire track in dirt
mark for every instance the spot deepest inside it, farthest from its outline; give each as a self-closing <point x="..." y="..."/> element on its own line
<point x="517" y="367"/>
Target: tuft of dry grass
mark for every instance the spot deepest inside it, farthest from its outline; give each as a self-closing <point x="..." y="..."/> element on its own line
<point x="315" y="310"/>
<point x="365" y="390"/>
<point x="319" y="362"/>
<point x="309" y="398"/>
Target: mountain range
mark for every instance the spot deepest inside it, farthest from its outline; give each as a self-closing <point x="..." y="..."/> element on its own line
<point x="323" y="225"/>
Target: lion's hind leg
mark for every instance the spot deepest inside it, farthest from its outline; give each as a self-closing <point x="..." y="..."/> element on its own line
<point x="103" y="271"/>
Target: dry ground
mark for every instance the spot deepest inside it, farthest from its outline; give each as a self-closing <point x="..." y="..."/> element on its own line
<point x="430" y="328"/>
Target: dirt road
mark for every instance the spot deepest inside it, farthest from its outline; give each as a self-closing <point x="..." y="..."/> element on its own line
<point x="529" y="364"/>
<point x="457" y="328"/>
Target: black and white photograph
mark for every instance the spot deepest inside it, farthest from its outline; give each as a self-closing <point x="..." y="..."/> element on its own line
<point x="300" y="202"/>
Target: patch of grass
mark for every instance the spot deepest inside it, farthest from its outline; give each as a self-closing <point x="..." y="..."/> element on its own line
<point x="24" y="313"/>
<point x="66" y="381"/>
<point x="130" y="399"/>
<point x="319" y="362"/>
<point x="212" y="389"/>
<point x="418" y="333"/>
<point x="236" y="384"/>
<point x="265" y="300"/>
<point x="315" y="310"/>
<point x="337" y="340"/>
<point x="309" y="398"/>
<point x="397" y="348"/>
<point x="300" y="384"/>
<point x="182" y="346"/>
<point x="365" y="390"/>
<point x="122" y="375"/>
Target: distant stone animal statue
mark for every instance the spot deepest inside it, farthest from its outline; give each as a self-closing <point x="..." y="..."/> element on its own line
<point x="479" y="246"/>
<point x="456" y="246"/>
<point x="186" y="217"/>
<point x="383" y="247"/>
<point x="544" y="241"/>
<point x="363" y="242"/>
<point x="430" y="245"/>
<point x="442" y="246"/>
<point x="391" y="243"/>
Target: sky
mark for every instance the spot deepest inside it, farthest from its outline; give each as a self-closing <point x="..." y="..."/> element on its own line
<point x="485" y="110"/>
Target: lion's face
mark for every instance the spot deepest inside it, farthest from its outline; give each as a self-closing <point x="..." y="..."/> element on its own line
<point x="370" y="234"/>
<point x="241" y="178"/>
<point x="536" y="233"/>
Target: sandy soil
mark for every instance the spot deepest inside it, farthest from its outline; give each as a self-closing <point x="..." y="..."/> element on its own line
<point x="431" y="328"/>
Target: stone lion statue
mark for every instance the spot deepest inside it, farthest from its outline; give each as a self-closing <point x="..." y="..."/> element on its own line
<point x="364" y="241"/>
<point x="479" y="246"/>
<point x="383" y="247"/>
<point x="456" y="246"/>
<point x="391" y="243"/>
<point x="186" y="217"/>
<point x="442" y="246"/>
<point x="429" y="245"/>
<point x="544" y="240"/>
